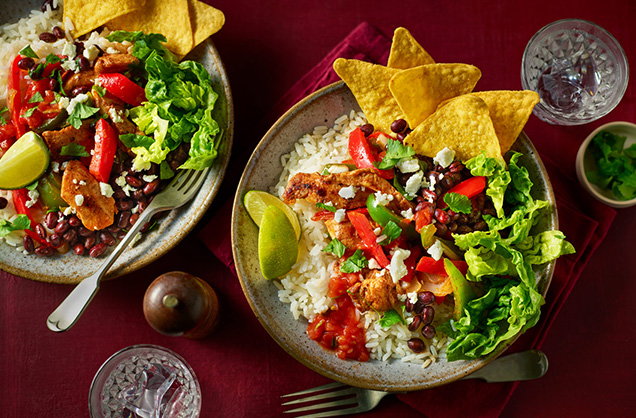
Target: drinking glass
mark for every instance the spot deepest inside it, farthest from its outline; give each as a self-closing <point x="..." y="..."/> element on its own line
<point x="145" y="381"/>
<point x="579" y="70"/>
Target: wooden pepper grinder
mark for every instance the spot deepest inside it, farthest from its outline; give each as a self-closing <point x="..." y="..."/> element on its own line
<point x="180" y="304"/>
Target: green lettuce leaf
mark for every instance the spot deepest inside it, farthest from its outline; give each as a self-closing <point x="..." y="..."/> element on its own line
<point x="498" y="178"/>
<point x="19" y="223"/>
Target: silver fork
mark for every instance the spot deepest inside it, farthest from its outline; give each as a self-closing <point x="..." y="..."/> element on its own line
<point x="525" y="365"/>
<point x="177" y="193"/>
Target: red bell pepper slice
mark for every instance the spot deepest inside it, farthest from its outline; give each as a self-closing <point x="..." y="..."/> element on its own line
<point x="432" y="266"/>
<point x="106" y="140"/>
<point x="122" y="87"/>
<point x="15" y="100"/>
<point x="470" y="188"/>
<point x="363" y="154"/>
<point x="364" y="229"/>
<point x="20" y="197"/>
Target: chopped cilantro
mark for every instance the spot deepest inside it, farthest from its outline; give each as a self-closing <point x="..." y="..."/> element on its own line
<point x="335" y="247"/>
<point x="392" y="232"/>
<point x="398" y="186"/>
<point x="52" y="59"/>
<point x="28" y="52"/>
<point x="458" y="203"/>
<point x="29" y="112"/>
<point x="36" y="98"/>
<point x="36" y="71"/>
<point x="354" y="263"/>
<point x="4" y="109"/>
<point x="81" y="111"/>
<point x="615" y="165"/>
<point x="395" y="151"/>
<point x="74" y="150"/>
<point x="32" y="186"/>
<point x="390" y="318"/>
<point x="325" y="207"/>
<point x="60" y="82"/>
<point x="19" y="223"/>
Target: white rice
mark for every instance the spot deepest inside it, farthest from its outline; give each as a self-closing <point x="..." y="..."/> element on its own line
<point x="305" y="287"/>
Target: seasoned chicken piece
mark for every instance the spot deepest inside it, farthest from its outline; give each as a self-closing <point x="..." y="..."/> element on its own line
<point x="82" y="192"/>
<point x="377" y="291"/>
<point x="115" y="110"/>
<point x="345" y="233"/>
<point x="114" y="63"/>
<point x="84" y="78"/>
<point x="357" y="184"/>
<point x="55" y="140"/>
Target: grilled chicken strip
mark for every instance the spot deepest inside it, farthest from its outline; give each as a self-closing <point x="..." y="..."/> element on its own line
<point x="345" y="233"/>
<point x="115" y="109"/>
<point x="377" y="291"/>
<point x="55" y="140"/>
<point x="114" y="63"/>
<point x="316" y="188"/>
<point x="84" y="78"/>
<point x="95" y="210"/>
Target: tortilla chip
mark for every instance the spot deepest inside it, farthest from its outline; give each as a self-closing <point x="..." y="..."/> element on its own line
<point x="369" y="83"/>
<point x="205" y="19"/>
<point x="418" y="91"/>
<point x="87" y="15"/>
<point x="406" y="52"/>
<point x="509" y="111"/>
<point x="463" y="125"/>
<point x="167" y="17"/>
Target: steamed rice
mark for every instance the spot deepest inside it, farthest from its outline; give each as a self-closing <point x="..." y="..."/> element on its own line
<point x="305" y="287"/>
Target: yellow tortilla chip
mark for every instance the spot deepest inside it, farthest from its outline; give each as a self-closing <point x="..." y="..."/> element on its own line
<point x="369" y="83"/>
<point x="418" y="91"/>
<point x="87" y="15"/>
<point x="406" y="52"/>
<point x="167" y="17"/>
<point x="462" y="125"/>
<point x="206" y="20"/>
<point x="509" y="111"/>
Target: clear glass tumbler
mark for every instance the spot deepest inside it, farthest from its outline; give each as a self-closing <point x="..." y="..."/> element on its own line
<point x="145" y="381"/>
<point x="579" y="70"/>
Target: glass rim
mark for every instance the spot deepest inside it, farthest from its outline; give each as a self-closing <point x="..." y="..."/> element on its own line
<point x="133" y="347"/>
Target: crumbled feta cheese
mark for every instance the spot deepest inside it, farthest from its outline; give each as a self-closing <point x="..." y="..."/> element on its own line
<point x="70" y="50"/>
<point x="134" y="210"/>
<point x="377" y="231"/>
<point x="149" y="178"/>
<point x="74" y="181"/>
<point x="68" y="211"/>
<point x="111" y="50"/>
<point x="79" y="199"/>
<point x="339" y="215"/>
<point x="106" y="189"/>
<point x="412" y="297"/>
<point x="348" y="192"/>
<point x="80" y="98"/>
<point x="71" y="65"/>
<point x="397" y="268"/>
<point x="55" y="166"/>
<point x="409" y="166"/>
<point x="414" y="183"/>
<point x="82" y="183"/>
<point x="381" y="238"/>
<point x="337" y="168"/>
<point x="373" y="264"/>
<point x="121" y="180"/>
<point x="445" y="157"/>
<point x="382" y="198"/>
<point x="33" y="198"/>
<point x="440" y="176"/>
<point x="433" y="181"/>
<point x="407" y="214"/>
<point x="436" y="250"/>
<point x="114" y="115"/>
<point x="382" y="139"/>
<point x="91" y="52"/>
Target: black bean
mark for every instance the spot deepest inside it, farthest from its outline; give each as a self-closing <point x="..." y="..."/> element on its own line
<point x="62" y="226"/>
<point x="79" y="249"/>
<point x="151" y="187"/>
<point x="452" y="226"/>
<point x="84" y="63"/>
<point x="367" y="129"/>
<point x="27" y="243"/>
<point x="446" y="183"/>
<point x="48" y="37"/>
<point x="428" y="331"/>
<point x="58" y="32"/>
<point x="79" y="47"/>
<point x="415" y="324"/>
<point x="398" y="126"/>
<point x="480" y="200"/>
<point x="121" y="234"/>
<point x="426" y="297"/>
<point x="89" y="242"/>
<point x="123" y="218"/>
<point x="457" y="177"/>
<point x="3" y="203"/>
<point x="489" y="211"/>
<point x="26" y="63"/>
<point x="427" y="315"/>
<point x="80" y="90"/>
<point x="39" y="229"/>
<point x="416" y="345"/>
<point x="119" y="194"/>
<point x="97" y="250"/>
<point x="106" y="238"/>
<point x="462" y="219"/>
<point x="44" y="251"/>
<point x="125" y="204"/>
<point x="442" y="230"/>
<point x="55" y="240"/>
<point x="70" y="236"/>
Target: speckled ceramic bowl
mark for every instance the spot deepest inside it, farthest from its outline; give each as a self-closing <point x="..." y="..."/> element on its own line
<point x="70" y="268"/>
<point x="262" y="172"/>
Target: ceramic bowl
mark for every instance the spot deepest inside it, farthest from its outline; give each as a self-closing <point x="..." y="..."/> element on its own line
<point x="584" y="161"/>
<point x="70" y="268"/>
<point x="262" y="172"/>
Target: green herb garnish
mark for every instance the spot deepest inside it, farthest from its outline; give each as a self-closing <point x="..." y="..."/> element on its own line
<point x="36" y="98"/>
<point x="395" y="151"/>
<point x="19" y="223"/>
<point x="81" y="111"/>
<point x="458" y="203"/>
<point x="354" y="263"/>
<point x="326" y="207"/>
<point x="335" y="247"/>
<point x="615" y="165"/>
<point x="27" y="51"/>
<point x="392" y="231"/>
<point x="74" y="150"/>
<point x="390" y="318"/>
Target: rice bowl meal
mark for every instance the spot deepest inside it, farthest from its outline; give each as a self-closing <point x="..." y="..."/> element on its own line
<point x="408" y="231"/>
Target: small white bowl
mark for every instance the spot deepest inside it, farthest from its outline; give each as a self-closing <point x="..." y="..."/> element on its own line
<point x="625" y="129"/>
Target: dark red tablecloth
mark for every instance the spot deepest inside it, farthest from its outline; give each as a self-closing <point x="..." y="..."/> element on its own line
<point x="267" y="47"/>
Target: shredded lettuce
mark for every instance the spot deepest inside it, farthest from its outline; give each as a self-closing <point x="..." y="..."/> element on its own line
<point x="498" y="178"/>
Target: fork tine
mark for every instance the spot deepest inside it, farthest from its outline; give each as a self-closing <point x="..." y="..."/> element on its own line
<point x="337" y="412"/>
<point x="194" y="182"/>
<point x="187" y="178"/>
<point x="333" y="385"/>
<point x="347" y="401"/>
<point x="327" y="395"/>
<point x="179" y="179"/>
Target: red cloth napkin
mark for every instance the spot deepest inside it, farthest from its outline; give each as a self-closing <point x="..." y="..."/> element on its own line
<point x="584" y="221"/>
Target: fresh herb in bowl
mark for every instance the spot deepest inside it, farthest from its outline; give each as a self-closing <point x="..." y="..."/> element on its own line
<point x="614" y="167"/>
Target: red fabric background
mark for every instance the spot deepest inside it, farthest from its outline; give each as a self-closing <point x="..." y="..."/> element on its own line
<point x="266" y="48"/>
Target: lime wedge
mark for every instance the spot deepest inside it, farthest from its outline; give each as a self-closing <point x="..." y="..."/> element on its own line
<point x="24" y="162"/>
<point x="256" y="201"/>
<point x="277" y="243"/>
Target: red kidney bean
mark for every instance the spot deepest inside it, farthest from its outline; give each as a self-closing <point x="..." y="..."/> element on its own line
<point x="48" y="37"/>
<point x="79" y="90"/>
<point x="26" y="63"/>
<point x="97" y="250"/>
<point x="429" y="194"/>
<point x="79" y="47"/>
<point x="143" y="204"/>
<point x="133" y="218"/>
<point x="125" y="204"/>
<point x="427" y="315"/>
<point x="400" y="137"/>
<point x="39" y="229"/>
<point x="455" y="167"/>
<point x="480" y="226"/>
<point x="114" y="229"/>
<point x="84" y="63"/>
<point x="119" y="194"/>
<point x="464" y="229"/>
<point x="457" y="177"/>
<point x="70" y="236"/>
<point x="121" y="234"/>
<point x="428" y="331"/>
<point x="442" y="216"/>
<point x="145" y="227"/>
<point x="418" y="307"/>
<point x="452" y="227"/>
<point x="52" y="84"/>
<point x="151" y="187"/>
<point x="27" y="243"/>
<point x="106" y="238"/>
<point x="84" y="232"/>
<point x="55" y="240"/>
<point x="416" y="345"/>
<point x="415" y="324"/>
<point x="58" y="32"/>
<point x="398" y="126"/>
<point x="367" y="129"/>
<point x="89" y="242"/>
<point x="44" y="251"/>
<point x="489" y="211"/>
<point x="62" y="226"/>
<point x="426" y="297"/>
<point x="79" y="249"/>
<point x="123" y="218"/>
<point x="74" y="221"/>
<point x="442" y="230"/>
<point x="138" y="194"/>
<point x="134" y="181"/>
<point x="408" y="305"/>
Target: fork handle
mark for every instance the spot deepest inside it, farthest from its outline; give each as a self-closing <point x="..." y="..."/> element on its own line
<point x="69" y="311"/>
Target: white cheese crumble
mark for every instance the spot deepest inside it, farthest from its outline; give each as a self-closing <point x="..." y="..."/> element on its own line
<point x="382" y="198"/>
<point x="80" y="98"/>
<point x="348" y="192"/>
<point x="377" y="231"/>
<point x="70" y="50"/>
<point x="339" y="215"/>
<point x="397" y="268"/>
<point x="149" y="178"/>
<point x="33" y="198"/>
<point x="55" y="166"/>
<point x="338" y="168"/>
<point x="106" y="189"/>
<point x="91" y="52"/>
<point x="444" y="157"/>
<point x="407" y="214"/>
<point x="74" y="181"/>
<point x="408" y="166"/>
<point x="373" y="264"/>
<point x="433" y="181"/>
<point x="121" y="180"/>
<point x="82" y="183"/>
<point x="79" y="199"/>
<point x="381" y="238"/>
<point x="68" y="211"/>
<point x="114" y="115"/>
<point x="436" y="250"/>
<point x="63" y="102"/>
<point x="71" y="65"/>
<point x="414" y="183"/>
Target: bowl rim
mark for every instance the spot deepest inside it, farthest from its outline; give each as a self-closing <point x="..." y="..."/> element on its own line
<point x="470" y="367"/>
<point x="580" y="166"/>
